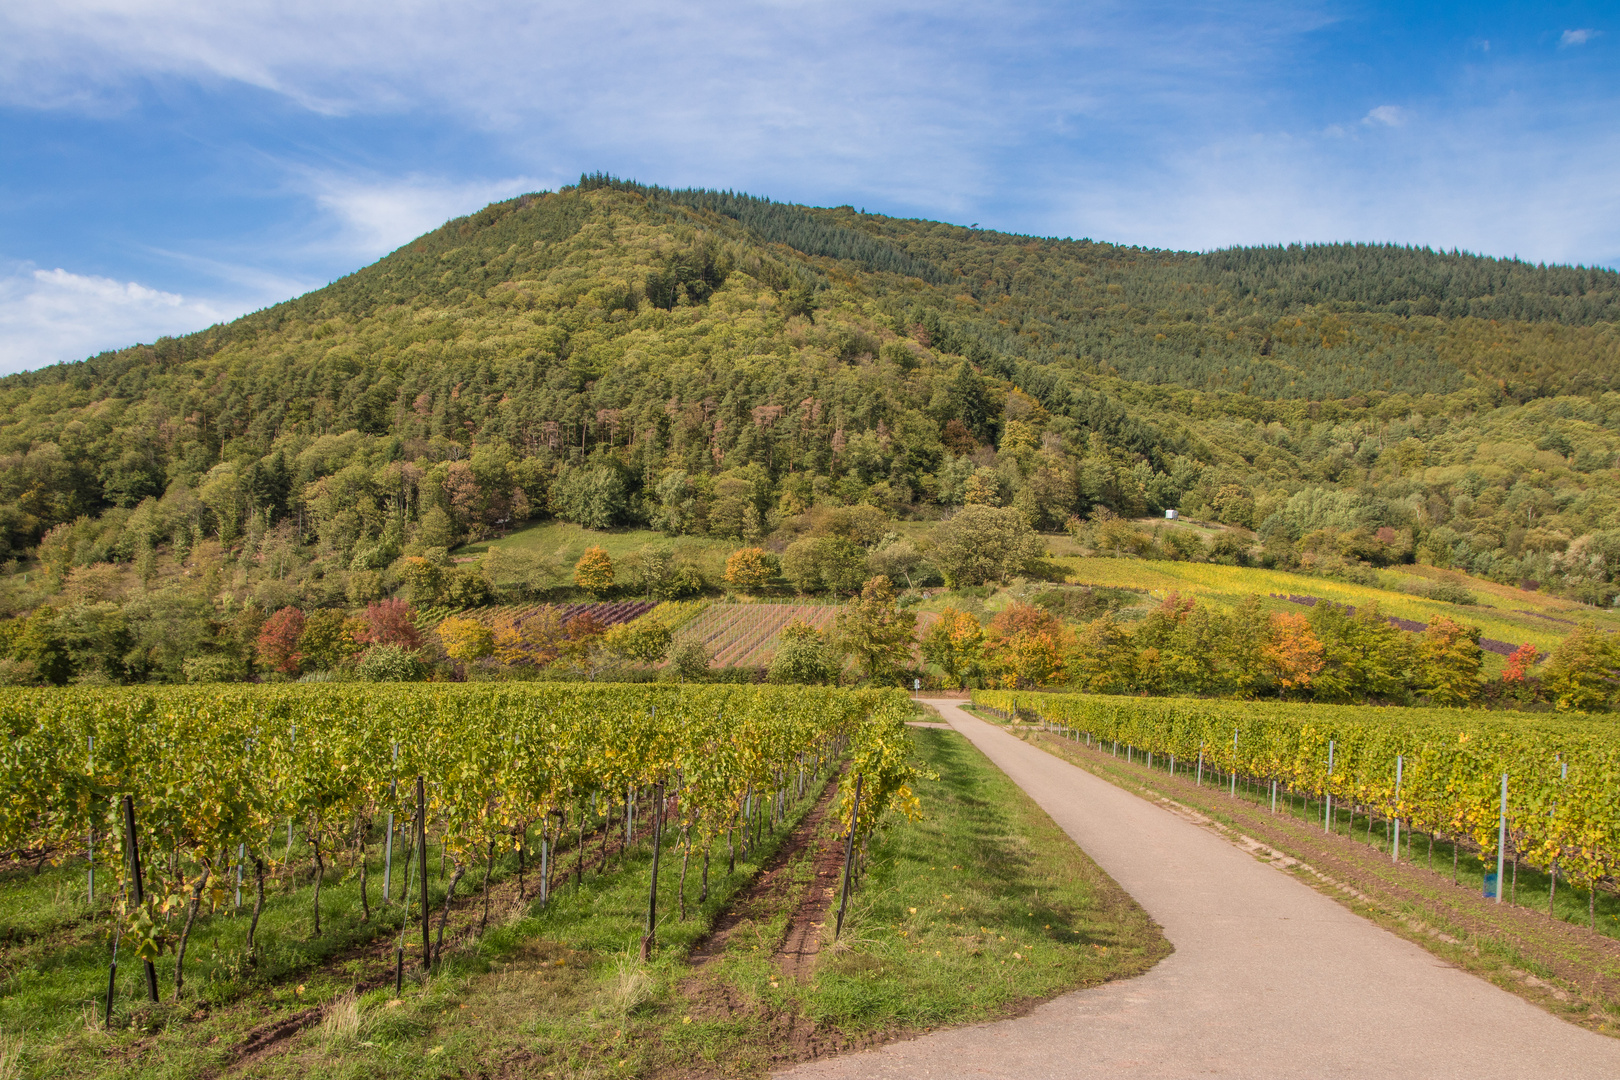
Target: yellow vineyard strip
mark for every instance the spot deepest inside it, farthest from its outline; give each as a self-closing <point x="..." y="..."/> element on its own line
<point x="1563" y="774"/>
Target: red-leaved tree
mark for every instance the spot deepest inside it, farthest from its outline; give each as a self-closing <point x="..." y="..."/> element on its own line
<point x="391" y="622"/>
<point x="278" y="640"/>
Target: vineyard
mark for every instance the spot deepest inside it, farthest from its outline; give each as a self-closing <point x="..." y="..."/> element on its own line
<point x="1503" y="613"/>
<point x="746" y="635"/>
<point x="1436" y="770"/>
<point x="604" y="614"/>
<point x="177" y="795"/>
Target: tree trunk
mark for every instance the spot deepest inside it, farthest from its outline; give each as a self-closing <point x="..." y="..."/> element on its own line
<point x="191" y="919"/>
<point x="686" y="856"/>
<point x="365" y="897"/>
<point x="489" y="865"/>
<point x="444" y="913"/>
<point x="703" y="893"/>
<point x="258" y="906"/>
<point x="320" y="874"/>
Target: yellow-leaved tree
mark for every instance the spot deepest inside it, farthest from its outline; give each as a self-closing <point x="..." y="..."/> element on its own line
<point x="594" y="572"/>
<point x="466" y="640"/>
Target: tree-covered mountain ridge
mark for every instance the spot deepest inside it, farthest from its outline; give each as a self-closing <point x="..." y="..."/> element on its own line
<point x="708" y="362"/>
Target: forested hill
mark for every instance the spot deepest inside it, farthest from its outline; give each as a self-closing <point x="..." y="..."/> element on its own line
<point x="614" y="353"/>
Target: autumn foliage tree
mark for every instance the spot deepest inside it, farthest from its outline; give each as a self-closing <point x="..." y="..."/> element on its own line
<point x="874" y="631"/>
<point x="390" y="622"/>
<point x="277" y="644"/>
<point x="750" y="569"/>
<point x="1027" y="646"/>
<point x="594" y="572"/>
<point x="1293" y="655"/>
<point x="955" y="642"/>
<point x="1451" y="661"/>
<point x="466" y="640"/>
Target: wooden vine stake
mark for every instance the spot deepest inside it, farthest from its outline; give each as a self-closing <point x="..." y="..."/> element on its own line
<point x="421" y="856"/>
<point x="135" y="877"/>
<point x="849" y="851"/>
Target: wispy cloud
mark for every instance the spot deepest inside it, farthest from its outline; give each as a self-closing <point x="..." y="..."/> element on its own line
<point x="1576" y="37"/>
<point x="374" y="215"/>
<point x="51" y="315"/>
<point x="1387" y="116"/>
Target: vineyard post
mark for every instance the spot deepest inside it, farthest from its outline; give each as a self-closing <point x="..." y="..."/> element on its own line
<point x="292" y="741"/>
<point x="652" y="892"/>
<point x="849" y="850"/>
<point x="1200" y="764"/>
<point x="545" y="859"/>
<point x="241" y="853"/>
<point x="421" y="856"/>
<point x="404" y="925"/>
<point x="135" y="877"/>
<point x="90" y="848"/>
<point x="1501" y="839"/>
<point x="112" y="977"/>
<point x="388" y="841"/>
<point x="1273" y="795"/>
<point x="1395" y="849"/>
<point x="1234" y="762"/>
<point x="1327" y="790"/>
<point x="1552" y="890"/>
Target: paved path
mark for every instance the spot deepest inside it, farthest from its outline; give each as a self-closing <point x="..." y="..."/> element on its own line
<point x="1269" y="977"/>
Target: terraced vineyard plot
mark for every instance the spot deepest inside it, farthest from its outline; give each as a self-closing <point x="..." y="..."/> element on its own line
<point x="746" y="635"/>
<point x="608" y="614"/>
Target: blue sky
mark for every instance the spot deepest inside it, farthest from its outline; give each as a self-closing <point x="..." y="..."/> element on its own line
<point x="166" y="164"/>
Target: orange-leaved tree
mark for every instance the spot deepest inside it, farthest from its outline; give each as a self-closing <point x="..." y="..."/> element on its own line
<point x="1293" y="655"/>
<point x="1027" y="646"/>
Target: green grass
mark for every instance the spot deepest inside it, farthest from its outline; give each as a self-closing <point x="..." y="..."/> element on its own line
<point x="567" y="542"/>
<point x="972" y="912"/>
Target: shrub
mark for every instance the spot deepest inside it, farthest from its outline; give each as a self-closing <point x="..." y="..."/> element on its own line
<point x="690" y="662"/>
<point x="390" y="663"/>
<point x="802" y="657"/>
<point x="213" y="668"/>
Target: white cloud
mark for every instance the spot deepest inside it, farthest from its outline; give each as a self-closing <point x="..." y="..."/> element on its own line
<point x="48" y="316"/>
<point x="902" y="101"/>
<point x="374" y="216"/>
<point x="1576" y="37"/>
<point x="1387" y="115"/>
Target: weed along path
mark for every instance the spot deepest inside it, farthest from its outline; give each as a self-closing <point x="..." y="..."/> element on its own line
<point x="1269" y="977"/>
